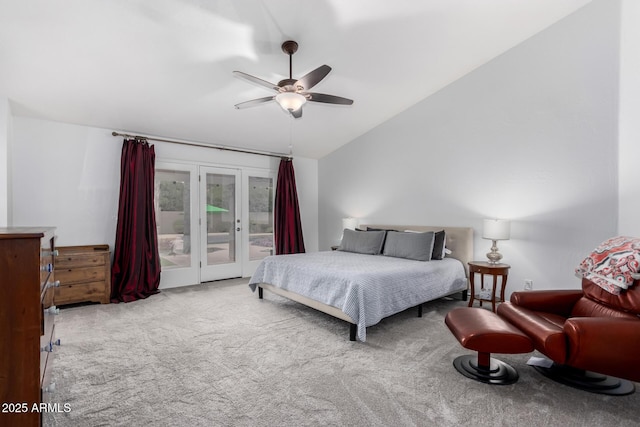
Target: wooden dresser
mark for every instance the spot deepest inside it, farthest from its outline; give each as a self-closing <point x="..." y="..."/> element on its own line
<point x="27" y="330"/>
<point x="84" y="273"/>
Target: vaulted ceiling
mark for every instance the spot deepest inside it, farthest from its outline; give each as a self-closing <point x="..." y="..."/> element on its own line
<point x="164" y="67"/>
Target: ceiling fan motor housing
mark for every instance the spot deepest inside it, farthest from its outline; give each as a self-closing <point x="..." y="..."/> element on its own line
<point x="290" y="47"/>
<point x="287" y="82"/>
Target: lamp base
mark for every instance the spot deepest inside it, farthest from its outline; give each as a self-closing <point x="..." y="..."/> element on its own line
<point x="494" y="256"/>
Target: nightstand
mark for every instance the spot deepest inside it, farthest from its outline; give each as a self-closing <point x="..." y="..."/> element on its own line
<point x="485" y="268"/>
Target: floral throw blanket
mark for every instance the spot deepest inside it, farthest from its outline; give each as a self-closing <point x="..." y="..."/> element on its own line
<point x="614" y="265"/>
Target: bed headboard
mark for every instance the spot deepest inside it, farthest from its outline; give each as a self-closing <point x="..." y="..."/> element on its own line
<point x="459" y="239"/>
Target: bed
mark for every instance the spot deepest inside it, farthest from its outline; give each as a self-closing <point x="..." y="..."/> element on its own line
<point x="363" y="288"/>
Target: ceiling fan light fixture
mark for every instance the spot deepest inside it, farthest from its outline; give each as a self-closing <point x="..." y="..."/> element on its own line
<point x="290" y="101"/>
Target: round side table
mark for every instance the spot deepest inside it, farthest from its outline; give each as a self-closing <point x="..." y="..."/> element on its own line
<point x="495" y="270"/>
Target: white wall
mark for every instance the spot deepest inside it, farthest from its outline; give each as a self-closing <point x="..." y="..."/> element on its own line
<point x="65" y="176"/>
<point x="68" y="176"/>
<point x="5" y="141"/>
<point x="629" y="123"/>
<point x="530" y="136"/>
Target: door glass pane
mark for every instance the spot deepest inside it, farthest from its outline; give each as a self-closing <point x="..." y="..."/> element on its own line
<point x="220" y="218"/>
<point x="260" y="217"/>
<point x="172" y="201"/>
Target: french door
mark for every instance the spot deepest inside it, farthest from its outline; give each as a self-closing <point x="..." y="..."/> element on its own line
<point x="257" y="234"/>
<point x="220" y="224"/>
<point x="213" y="222"/>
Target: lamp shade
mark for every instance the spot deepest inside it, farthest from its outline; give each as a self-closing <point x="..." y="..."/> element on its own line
<point x="290" y="101"/>
<point x="496" y="229"/>
<point x="350" y="223"/>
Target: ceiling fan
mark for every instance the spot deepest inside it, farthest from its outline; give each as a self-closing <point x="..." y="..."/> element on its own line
<point x="292" y="94"/>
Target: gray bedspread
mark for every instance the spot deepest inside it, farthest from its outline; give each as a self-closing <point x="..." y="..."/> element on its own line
<point x="367" y="288"/>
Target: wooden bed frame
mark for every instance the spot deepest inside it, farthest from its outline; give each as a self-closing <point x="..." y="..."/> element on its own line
<point x="459" y="242"/>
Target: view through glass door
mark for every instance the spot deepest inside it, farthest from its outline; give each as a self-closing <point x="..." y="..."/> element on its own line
<point x="176" y="193"/>
<point x="220" y="224"/>
<point x="259" y="199"/>
<point x="213" y="223"/>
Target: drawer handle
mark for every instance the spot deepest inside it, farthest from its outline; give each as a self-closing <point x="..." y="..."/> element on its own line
<point x="52" y="310"/>
<point x="49" y="347"/>
<point x="55" y="284"/>
<point x="51" y="388"/>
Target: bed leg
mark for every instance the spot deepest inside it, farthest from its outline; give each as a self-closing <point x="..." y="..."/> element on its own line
<point x="420" y="310"/>
<point x="465" y="294"/>
<point x="353" y="330"/>
<point x="260" y="290"/>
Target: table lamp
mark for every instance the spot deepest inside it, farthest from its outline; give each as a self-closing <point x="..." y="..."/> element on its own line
<point x="496" y="229"/>
<point x="350" y="223"/>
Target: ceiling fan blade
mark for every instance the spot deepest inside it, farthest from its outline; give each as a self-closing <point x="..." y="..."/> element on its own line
<point x="257" y="81"/>
<point x="314" y="77"/>
<point x="328" y="99"/>
<point x="254" y="102"/>
<point x="297" y="113"/>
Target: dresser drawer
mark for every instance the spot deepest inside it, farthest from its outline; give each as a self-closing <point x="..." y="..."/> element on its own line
<point x="46" y="365"/>
<point x="47" y="253"/>
<point x="46" y="268"/>
<point x="70" y="260"/>
<point x="47" y="346"/>
<point x="47" y="324"/>
<point x="68" y="276"/>
<point x="86" y="291"/>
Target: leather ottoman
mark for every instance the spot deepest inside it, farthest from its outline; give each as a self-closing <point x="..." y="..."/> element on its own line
<point x="485" y="332"/>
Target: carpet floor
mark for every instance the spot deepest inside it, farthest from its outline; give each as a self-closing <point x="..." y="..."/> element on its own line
<point x="216" y="355"/>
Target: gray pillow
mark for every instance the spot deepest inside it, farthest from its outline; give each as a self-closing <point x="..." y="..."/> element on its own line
<point x="439" y="242"/>
<point x="362" y="242"/>
<point x="417" y="246"/>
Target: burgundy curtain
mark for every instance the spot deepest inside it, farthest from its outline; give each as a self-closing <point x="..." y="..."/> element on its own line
<point x="136" y="261"/>
<point x="288" y="228"/>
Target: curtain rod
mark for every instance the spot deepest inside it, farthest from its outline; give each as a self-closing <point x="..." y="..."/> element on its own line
<point x="198" y="144"/>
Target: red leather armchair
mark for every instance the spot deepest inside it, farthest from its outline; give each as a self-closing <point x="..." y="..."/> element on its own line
<point x="584" y="332"/>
